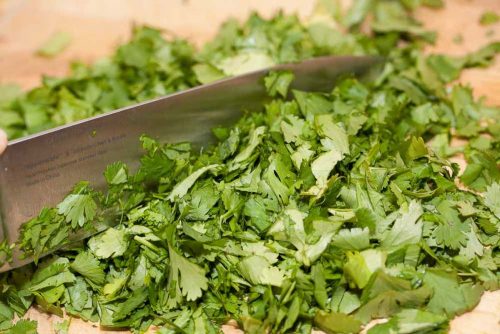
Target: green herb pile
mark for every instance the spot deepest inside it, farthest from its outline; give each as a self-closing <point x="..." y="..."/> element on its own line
<point x="318" y="211"/>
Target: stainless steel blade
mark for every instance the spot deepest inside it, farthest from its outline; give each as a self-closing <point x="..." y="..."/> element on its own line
<point x="39" y="170"/>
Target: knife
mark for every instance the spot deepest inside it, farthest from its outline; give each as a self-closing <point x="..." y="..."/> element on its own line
<point x="40" y="170"/>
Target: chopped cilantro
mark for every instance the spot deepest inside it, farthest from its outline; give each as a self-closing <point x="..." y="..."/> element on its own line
<point x="318" y="210"/>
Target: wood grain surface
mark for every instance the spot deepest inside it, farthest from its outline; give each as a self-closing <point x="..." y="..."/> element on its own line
<point x="97" y="26"/>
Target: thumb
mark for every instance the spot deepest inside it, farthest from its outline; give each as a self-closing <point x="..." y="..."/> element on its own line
<point x="3" y="141"/>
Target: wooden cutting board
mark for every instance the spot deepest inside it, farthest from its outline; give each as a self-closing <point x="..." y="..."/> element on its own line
<point x="97" y="26"/>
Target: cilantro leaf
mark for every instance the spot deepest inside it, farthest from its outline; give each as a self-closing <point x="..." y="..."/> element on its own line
<point x="110" y="243"/>
<point x="188" y="277"/>
<point x="353" y="239"/>
<point x="116" y="173"/>
<point x="278" y="83"/>
<point x="258" y="270"/>
<point x="492" y="198"/>
<point x="78" y="207"/>
<point x="134" y="301"/>
<point x="62" y="327"/>
<point x="448" y="294"/>
<point x="23" y="327"/>
<point x="336" y="323"/>
<point x="182" y="188"/>
<point x="88" y="266"/>
<point x="55" y="44"/>
<point x="406" y="229"/>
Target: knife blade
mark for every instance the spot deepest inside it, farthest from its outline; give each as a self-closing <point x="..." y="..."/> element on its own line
<point x="39" y="170"/>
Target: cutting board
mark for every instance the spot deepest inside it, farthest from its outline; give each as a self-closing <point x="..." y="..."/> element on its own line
<point x="98" y="26"/>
